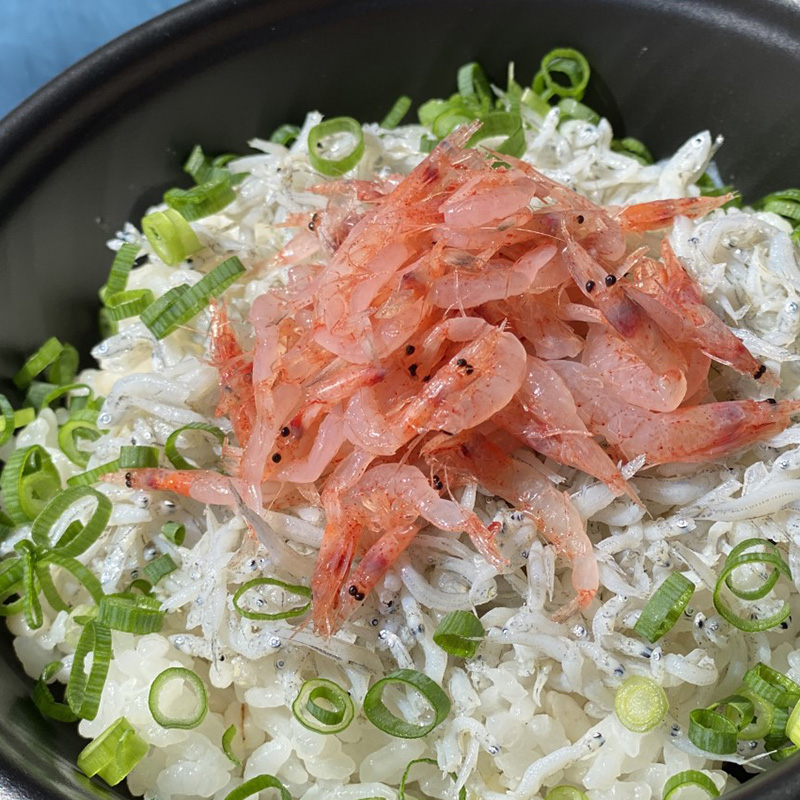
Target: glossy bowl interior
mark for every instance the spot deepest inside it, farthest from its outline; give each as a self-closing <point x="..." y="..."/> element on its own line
<point x="100" y="143"/>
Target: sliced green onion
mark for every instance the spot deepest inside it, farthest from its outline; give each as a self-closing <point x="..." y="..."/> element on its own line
<point x="473" y="85"/>
<point x="431" y="109"/>
<point x="68" y="435"/>
<point x="401" y="791"/>
<point x="77" y="537"/>
<point x="197" y="715"/>
<point x="30" y="585"/>
<point x="43" y="698"/>
<point x="28" y="482"/>
<point x="84" y="691"/>
<point x="204" y="169"/>
<point x="502" y="123"/>
<point x="93" y="475"/>
<point x="763" y="715"/>
<point x="174" y="532"/>
<point x="171" y="445"/>
<point x="459" y="634"/>
<point x="11" y="420"/>
<point x="453" y="115"/>
<point x="170" y="236"/>
<point x="131" y="613"/>
<point x="81" y="573"/>
<point x="295" y="589"/>
<point x="793" y="725"/>
<point x="689" y="777"/>
<point x="784" y="203"/>
<point x="641" y="704"/>
<point x="632" y="147"/>
<point x="574" y="109"/>
<point x="535" y="102"/>
<point x="120" y="269"/>
<point x="202" y="200"/>
<point x="127" y="304"/>
<point x="564" y="61"/>
<point x="776" y="737"/>
<point x="712" y="732"/>
<point x="140" y="585"/>
<point x="65" y="367"/>
<point x="396" y="113"/>
<point x="381" y="717"/>
<point x="285" y="134"/>
<point x="564" y="792"/>
<point x="738" y="708"/>
<point x="665" y="607"/>
<point x="227" y="745"/>
<point x="257" y="785"/>
<point x="37" y="392"/>
<point x="159" y="568"/>
<point x="38" y="362"/>
<point x="333" y="167"/>
<point x="775" y="688"/>
<point x="136" y="456"/>
<point x="738" y="557"/>
<point x="333" y="717"/>
<point x="114" y="753"/>
<point x="11" y="570"/>
<point x="191" y="301"/>
<point x="64" y="391"/>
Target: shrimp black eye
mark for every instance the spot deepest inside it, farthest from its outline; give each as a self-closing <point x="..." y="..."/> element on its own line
<point x="437" y="483"/>
<point x="611" y="280"/>
<point x="285" y="432"/>
<point x="313" y="224"/>
<point x="760" y="371"/>
<point x="772" y="401"/>
<point x="462" y="362"/>
<point x="589" y="286"/>
<point x="426" y="378"/>
<point x="469" y="370"/>
<point x="276" y="457"/>
<point x="129" y="480"/>
<point x="580" y="219"/>
<point x="412" y="370"/>
<point x="410" y="349"/>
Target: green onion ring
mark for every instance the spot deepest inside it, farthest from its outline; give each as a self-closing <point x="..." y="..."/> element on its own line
<point x="565" y="792"/>
<point x="28" y="482"/>
<point x="473" y="85"/>
<point x="38" y="362"/>
<point x="30" y="585"/>
<point x="641" y="704"/>
<point x="502" y="123"/>
<point x="70" y="432"/>
<point x="396" y="113"/>
<point x="8" y="420"/>
<point x="381" y="717"/>
<point x="202" y="200"/>
<point x="565" y="61"/>
<point x="634" y="148"/>
<point x="227" y="745"/>
<point x="174" y="532"/>
<point x="77" y="537"/>
<point x="712" y="732"/>
<point x="738" y="708"/>
<point x="190" y="301"/>
<point x="153" y="699"/>
<point x="665" y="607"/>
<point x="135" y="456"/>
<point x="775" y="688"/>
<point x="689" y="777"/>
<point x="81" y="573"/>
<point x="574" y="109"/>
<point x="171" y="445"/>
<point x="64" y="369"/>
<point x="43" y="698"/>
<point x="170" y="236"/>
<point x="159" y="568"/>
<point x="256" y="785"/>
<point x="84" y="691"/>
<point x="120" y="269"/>
<point x="401" y="791"/>
<point x="129" y="303"/>
<point x="285" y="134"/>
<point x="114" y="753"/>
<point x="459" y="634"/>
<point x="334" y="167"/>
<point x="93" y="475"/>
<point x="310" y="714"/>
<point x="295" y="589"/>
<point x="131" y="613"/>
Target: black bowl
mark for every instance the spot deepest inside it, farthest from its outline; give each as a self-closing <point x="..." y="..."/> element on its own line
<point x="100" y="143"/>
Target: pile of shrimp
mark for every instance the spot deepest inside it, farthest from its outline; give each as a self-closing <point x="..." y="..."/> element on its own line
<point x="434" y="325"/>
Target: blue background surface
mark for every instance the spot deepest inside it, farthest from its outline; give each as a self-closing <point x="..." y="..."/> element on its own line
<point x="41" y="38"/>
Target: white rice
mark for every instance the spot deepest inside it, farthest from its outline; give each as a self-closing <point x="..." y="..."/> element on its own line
<point x="534" y="709"/>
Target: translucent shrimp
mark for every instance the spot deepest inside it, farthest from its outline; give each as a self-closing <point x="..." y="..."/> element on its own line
<point x="543" y="415"/>
<point x="628" y="318"/>
<point x="473" y="457"/>
<point x="610" y="355"/>
<point x="693" y="434"/>
<point x="236" y="401"/>
<point x="661" y="213"/>
<point x="499" y="279"/>
<point x="477" y="381"/>
<point x="667" y="292"/>
<point x="389" y="500"/>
